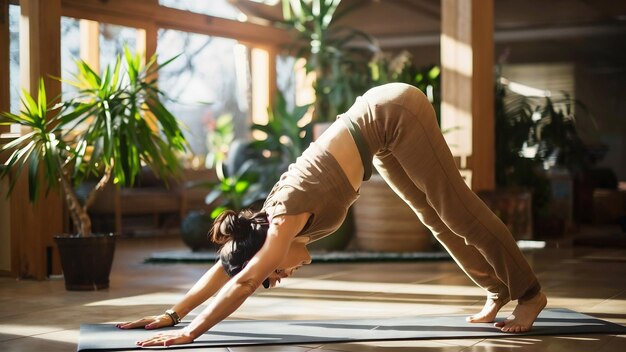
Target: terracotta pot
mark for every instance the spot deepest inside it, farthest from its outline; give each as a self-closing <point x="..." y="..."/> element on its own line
<point x="385" y="223"/>
<point x="86" y="261"/>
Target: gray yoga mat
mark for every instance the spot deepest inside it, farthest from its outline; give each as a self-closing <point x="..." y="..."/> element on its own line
<point x="230" y="333"/>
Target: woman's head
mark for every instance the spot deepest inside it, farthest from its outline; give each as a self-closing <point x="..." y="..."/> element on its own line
<point x="243" y="234"/>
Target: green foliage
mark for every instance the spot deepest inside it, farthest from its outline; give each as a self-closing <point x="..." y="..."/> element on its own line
<point x="121" y="116"/>
<point x="41" y="143"/>
<point x="249" y="171"/>
<point x="522" y="122"/>
<point x="285" y="140"/>
<point x="386" y="69"/>
<point x="220" y="136"/>
<point x="236" y="192"/>
<point x="111" y="126"/>
<point x="340" y="68"/>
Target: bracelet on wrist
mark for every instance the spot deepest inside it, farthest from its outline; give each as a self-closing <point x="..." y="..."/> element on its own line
<point x="173" y="315"/>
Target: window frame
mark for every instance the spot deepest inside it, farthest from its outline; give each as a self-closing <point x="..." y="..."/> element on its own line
<point x="5" y="68"/>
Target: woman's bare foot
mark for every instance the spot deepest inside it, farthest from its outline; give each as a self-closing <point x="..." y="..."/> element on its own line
<point x="489" y="312"/>
<point x="523" y="315"/>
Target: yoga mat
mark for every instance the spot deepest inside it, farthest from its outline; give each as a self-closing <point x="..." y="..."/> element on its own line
<point x="187" y="256"/>
<point x="231" y="333"/>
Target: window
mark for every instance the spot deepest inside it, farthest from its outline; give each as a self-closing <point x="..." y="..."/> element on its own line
<point x="112" y="40"/>
<point x="217" y="8"/>
<point x="285" y="78"/>
<point x="14" y="59"/>
<point x="209" y="78"/>
<point x="70" y="50"/>
<point x="77" y="43"/>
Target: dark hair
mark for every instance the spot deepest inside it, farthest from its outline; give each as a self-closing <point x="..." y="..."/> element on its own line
<point x="241" y="236"/>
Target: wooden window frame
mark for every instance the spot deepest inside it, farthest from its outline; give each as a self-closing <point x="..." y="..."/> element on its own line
<point x="5" y="65"/>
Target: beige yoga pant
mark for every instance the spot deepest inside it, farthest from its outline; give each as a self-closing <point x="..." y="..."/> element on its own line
<point x="398" y="123"/>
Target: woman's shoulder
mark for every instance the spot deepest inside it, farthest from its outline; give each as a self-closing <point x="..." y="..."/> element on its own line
<point x="291" y="224"/>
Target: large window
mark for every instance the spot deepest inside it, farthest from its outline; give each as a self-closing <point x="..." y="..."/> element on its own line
<point x="14" y="57"/>
<point x="209" y="78"/>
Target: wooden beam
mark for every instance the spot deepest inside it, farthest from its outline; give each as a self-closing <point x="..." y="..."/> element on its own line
<point x="40" y="56"/>
<point x="467" y="51"/>
<point x="146" y="13"/>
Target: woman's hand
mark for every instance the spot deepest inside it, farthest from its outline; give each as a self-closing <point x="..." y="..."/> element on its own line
<point x="180" y="337"/>
<point x="150" y="322"/>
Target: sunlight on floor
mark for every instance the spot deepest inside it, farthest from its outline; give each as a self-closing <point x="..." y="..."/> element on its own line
<point x="372" y="287"/>
<point x="59" y="334"/>
<point x="148" y="299"/>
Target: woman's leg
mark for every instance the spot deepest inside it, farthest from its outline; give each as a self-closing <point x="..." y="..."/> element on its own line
<point x="467" y="257"/>
<point x="412" y="135"/>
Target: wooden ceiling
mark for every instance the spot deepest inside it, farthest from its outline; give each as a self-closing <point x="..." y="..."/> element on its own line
<point x="588" y="31"/>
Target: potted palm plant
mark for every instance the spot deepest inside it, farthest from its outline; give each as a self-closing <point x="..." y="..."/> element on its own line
<point x="111" y="125"/>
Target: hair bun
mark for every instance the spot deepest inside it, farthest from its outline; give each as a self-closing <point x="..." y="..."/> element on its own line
<point x="223" y="227"/>
<point x="231" y="226"/>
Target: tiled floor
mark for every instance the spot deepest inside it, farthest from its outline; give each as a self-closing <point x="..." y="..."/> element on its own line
<point x="42" y="316"/>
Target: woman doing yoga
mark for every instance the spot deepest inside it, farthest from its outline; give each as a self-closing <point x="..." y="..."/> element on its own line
<point x="393" y="126"/>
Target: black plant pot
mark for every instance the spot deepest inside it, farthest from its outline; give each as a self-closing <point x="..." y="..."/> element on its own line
<point x="194" y="231"/>
<point x="86" y="261"/>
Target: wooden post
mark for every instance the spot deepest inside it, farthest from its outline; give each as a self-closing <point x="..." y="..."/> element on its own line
<point x="40" y="56"/>
<point x="467" y="51"/>
<point x="8" y="260"/>
<point x="90" y="43"/>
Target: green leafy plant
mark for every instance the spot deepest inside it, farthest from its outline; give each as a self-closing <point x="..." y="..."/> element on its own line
<point x="220" y="135"/>
<point x="284" y="138"/>
<point x="385" y="68"/>
<point x="237" y="191"/>
<point x="530" y="123"/>
<point x="249" y="170"/>
<point x="341" y="71"/>
<point x="112" y="125"/>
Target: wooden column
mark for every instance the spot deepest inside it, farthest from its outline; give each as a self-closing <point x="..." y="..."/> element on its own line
<point x="8" y="264"/>
<point x="40" y="56"/>
<point x="147" y="41"/>
<point x="467" y="62"/>
<point x="90" y="43"/>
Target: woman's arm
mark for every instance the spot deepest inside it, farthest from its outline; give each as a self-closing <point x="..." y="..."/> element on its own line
<point x="279" y="236"/>
<point x="204" y="288"/>
<point x="207" y="286"/>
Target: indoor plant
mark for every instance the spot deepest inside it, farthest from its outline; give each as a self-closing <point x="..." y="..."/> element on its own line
<point x="108" y="127"/>
<point x="534" y="139"/>
<point x="246" y="170"/>
<point x="340" y="67"/>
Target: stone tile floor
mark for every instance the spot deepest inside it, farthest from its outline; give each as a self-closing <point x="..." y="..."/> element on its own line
<point x="42" y="316"/>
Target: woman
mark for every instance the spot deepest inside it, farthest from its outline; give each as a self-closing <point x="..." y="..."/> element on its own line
<point x="394" y="125"/>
